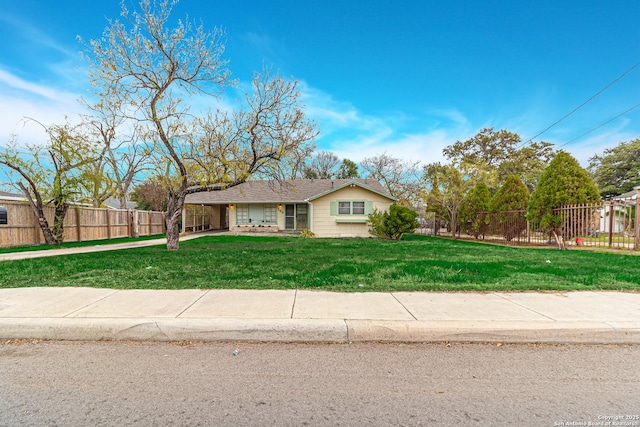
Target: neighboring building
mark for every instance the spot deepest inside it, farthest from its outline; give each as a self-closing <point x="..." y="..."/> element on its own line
<point x="12" y="196"/>
<point x="114" y="203"/>
<point x="618" y="213"/>
<point x="329" y="208"/>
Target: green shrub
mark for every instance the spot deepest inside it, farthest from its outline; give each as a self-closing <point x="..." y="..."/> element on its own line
<point x="393" y="224"/>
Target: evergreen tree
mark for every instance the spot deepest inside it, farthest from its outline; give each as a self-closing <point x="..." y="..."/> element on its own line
<point x="563" y="182"/>
<point x="508" y="203"/>
<point x="473" y="212"/>
<point x="348" y="169"/>
<point x="393" y="224"/>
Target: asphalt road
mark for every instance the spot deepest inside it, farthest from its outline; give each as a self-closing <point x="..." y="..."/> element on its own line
<point x="189" y="384"/>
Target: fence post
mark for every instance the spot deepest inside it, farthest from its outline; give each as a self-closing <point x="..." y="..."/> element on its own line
<point x="611" y="211"/>
<point x="636" y="226"/>
<point x="78" y="230"/>
<point x="37" y="229"/>
<point x="108" y="223"/>
<point x="129" y="222"/>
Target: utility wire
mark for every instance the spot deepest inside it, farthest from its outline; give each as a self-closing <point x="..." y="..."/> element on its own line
<point x="600" y="125"/>
<point x="580" y="106"/>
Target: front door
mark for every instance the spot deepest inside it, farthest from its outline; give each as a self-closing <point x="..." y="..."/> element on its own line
<point x="301" y="217"/>
<point x="290" y="217"/>
<point x="296" y="217"/>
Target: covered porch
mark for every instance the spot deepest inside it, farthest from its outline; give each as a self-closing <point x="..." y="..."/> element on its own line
<point x="247" y="217"/>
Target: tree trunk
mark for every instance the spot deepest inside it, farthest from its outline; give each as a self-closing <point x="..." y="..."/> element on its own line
<point x="57" y="232"/>
<point x="175" y="203"/>
<point x="38" y="212"/>
<point x="46" y="231"/>
<point x="454" y="225"/>
<point x="559" y="241"/>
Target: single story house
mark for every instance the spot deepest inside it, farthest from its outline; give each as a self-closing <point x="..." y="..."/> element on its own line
<point x="622" y="207"/>
<point x="327" y="207"/>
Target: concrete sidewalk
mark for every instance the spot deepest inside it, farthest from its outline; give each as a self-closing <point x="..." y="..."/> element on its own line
<point x="106" y="246"/>
<point x="302" y="315"/>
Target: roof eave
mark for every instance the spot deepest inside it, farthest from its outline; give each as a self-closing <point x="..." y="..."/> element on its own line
<point x="348" y="184"/>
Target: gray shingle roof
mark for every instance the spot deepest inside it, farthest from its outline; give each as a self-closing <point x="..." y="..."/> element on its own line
<point x="295" y="191"/>
<point x="11" y="196"/>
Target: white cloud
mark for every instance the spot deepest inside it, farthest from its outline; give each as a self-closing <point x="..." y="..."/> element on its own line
<point x="20" y="98"/>
<point x="595" y="144"/>
<point x="350" y="133"/>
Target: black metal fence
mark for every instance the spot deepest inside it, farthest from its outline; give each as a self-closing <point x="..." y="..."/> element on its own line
<point x="608" y="224"/>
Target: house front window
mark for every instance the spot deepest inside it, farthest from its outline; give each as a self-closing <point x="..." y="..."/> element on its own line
<point x="256" y="214"/>
<point x="242" y="214"/>
<point x="357" y="208"/>
<point x="270" y="214"/>
<point x="351" y="208"/>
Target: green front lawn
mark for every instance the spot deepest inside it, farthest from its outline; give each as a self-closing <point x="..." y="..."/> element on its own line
<point x="418" y="263"/>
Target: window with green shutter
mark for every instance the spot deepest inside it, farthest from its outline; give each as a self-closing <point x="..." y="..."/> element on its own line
<point x="349" y="207"/>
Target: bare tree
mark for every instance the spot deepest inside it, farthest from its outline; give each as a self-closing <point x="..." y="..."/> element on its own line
<point x="150" y="195"/>
<point x="324" y="165"/>
<point x="400" y="178"/>
<point x="150" y="68"/>
<point x="125" y="154"/>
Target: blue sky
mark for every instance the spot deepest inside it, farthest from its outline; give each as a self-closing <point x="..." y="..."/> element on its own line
<point x="402" y="77"/>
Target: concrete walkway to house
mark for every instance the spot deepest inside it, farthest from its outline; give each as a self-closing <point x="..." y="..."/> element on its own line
<point x="314" y="316"/>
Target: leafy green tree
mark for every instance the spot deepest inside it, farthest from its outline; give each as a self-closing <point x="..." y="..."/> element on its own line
<point x="51" y="173"/>
<point x="394" y="223"/>
<point x="348" y="169"/>
<point x="617" y="170"/>
<point x="473" y="211"/>
<point x="446" y="189"/>
<point x="527" y="163"/>
<point x="563" y="182"/>
<point x="497" y="155"/>
<point x="508" y="202"/>
<point x="487" y="146"/>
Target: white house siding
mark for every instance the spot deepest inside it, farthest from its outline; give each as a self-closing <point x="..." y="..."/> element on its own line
<point x="325" y="224"/>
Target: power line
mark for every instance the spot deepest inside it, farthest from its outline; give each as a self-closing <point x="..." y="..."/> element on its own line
<point x="600" y="125"/>
<point x="581" y="105"/>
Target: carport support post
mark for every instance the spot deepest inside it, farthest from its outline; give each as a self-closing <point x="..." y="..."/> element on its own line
<point x="636" y="226"/>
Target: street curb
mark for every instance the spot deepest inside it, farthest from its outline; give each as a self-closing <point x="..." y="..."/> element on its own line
<point x="496" y="332"/>
<point x="318" y="330"/>
<point x="97" y="329"/>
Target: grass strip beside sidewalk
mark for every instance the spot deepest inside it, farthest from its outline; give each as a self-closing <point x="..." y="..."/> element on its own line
<point x="418" y="263"/>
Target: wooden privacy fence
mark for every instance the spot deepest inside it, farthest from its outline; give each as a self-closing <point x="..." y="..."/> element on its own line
<point x="610" y="224"/>
<point x="81" y="223"/>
